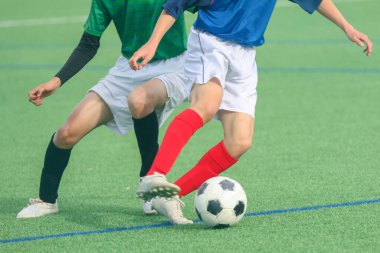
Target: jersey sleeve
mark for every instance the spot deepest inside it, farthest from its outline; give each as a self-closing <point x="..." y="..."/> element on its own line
<point x="176" y="7"/>
<point x="98" y="19"/>
<point x="82" y="54"/>
<point x="308" y="5"/>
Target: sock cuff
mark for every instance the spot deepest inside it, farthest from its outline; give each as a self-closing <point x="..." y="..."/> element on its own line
<point x="147" y="118"/>
<point x="191" y="118"/>
<point x="221" y="156"/>
<point x="56" y="148"/>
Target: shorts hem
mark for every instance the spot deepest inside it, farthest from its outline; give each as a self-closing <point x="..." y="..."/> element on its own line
<point x="252" y="114"/>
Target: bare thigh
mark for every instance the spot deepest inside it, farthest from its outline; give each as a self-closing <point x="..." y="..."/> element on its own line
<point x="206" y="99"/>
<point x="90" y="113"/>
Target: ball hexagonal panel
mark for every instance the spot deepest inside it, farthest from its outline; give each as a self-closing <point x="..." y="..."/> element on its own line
<point x="227" y="185"/>
<point x="214" y="207"/>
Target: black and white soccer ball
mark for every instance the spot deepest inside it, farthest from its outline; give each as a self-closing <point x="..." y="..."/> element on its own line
<point x="220" y="202"/>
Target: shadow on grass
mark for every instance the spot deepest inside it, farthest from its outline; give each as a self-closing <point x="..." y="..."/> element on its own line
<point x="92" y="214"/>
<point x="104" y="215"/>
<point x="12" y="205"/>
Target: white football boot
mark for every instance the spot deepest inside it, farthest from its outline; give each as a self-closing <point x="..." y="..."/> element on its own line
<point x="171" y="208"/>
<point x="156" y="185"/>
<point x="148" y="209"/>
<point x="37" y="208"/>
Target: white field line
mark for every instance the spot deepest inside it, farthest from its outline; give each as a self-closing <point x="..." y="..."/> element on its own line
<point x="81" y="19"/>
<point x="42" y="21"/>
<point x="286" y="3"/>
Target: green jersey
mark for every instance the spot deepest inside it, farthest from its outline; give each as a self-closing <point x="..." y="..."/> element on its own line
<point x="134" y="21"/>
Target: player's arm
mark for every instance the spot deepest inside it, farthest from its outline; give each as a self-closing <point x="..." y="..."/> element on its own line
<point x="172" y="10"/>
<point x="82" y="54"/>
<point x="147" y="51"/>
<point x="328" y="9"/>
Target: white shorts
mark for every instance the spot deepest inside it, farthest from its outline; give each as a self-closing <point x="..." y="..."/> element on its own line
<point x="121" y="80"/>
<point x="234" y="65"/>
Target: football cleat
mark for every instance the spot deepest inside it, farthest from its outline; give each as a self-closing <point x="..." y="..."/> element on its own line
<point x="171" y="208"/>
<point x="148" y="209"/>
<point x="156" y="185"/>
<point x="37" y="208"/>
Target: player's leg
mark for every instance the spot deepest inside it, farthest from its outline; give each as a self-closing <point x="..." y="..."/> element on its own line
<point x="151" y="103"/>
<point x="236" y="114"/>
<point x="238" y="128"/>
<point x="205" y="101"/>
<point x="90" y="113"/>
<point x="142" y="103"/>
<point x="238" y="133"/>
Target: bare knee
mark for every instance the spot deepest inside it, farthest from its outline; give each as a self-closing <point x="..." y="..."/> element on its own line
<point x="65" y="137"/>
<point x="237" y="147"/>
<point x="206" y="110"/>
<point x="140" y="104"/>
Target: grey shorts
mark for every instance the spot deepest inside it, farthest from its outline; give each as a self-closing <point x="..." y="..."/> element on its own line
<point x="121" y="80"/>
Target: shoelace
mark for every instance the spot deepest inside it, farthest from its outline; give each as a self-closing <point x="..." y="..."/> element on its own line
<point x="179" y="205"/>
<point x="34" y="201"/>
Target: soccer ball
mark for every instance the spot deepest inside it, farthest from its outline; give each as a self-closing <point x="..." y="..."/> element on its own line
<point x="220" y="202"/>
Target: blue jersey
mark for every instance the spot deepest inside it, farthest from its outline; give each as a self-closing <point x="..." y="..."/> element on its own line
<point x="240" y="21"/>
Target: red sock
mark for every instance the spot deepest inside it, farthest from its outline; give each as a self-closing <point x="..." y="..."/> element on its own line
<point x="178" y="134"/>
<point x="214" y="162"/>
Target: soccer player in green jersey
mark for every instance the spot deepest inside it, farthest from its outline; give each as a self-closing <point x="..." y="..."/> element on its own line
<point x="122" y="100"/>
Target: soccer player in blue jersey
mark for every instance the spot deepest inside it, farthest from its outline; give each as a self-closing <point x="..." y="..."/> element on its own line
<point x="123" y="100"/>
<point x="222" y="73"/>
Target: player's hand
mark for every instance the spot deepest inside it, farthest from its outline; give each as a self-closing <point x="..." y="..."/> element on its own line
<point x="37" y="95"/>
<point x="145" y="53"/>
<point x="361" y="39"/>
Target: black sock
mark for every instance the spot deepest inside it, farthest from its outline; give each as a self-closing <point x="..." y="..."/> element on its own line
<point x="146" y="130"/>
<point x="56" y="160"/>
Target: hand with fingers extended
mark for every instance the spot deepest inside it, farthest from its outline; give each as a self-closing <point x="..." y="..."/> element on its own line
<point x="145" y="53"/>
<point x="361" y="39"/>
<point x="37" y="95"/>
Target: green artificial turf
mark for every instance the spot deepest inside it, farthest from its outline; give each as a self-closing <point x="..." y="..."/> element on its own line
<point x="316" y="142"/>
